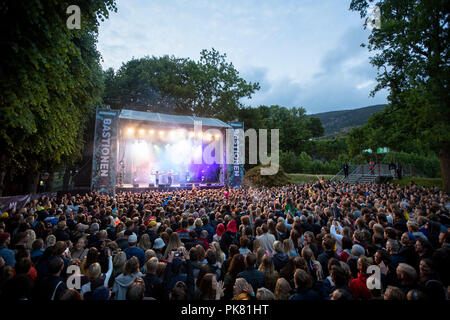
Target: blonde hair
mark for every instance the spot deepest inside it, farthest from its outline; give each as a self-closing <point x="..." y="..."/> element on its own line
<point x="264" y="294"/>
<point x="278" y="247"/>
<point x="282" y="289"/>
<point x="144" y="242"/>
<point x="94" y="271"/>
<point x="174" y="243"/>
<point x="50" y="241"/>
<point x="219" y="253"/>
<point x="31" y="238"/>
<point x="119" y="262"/>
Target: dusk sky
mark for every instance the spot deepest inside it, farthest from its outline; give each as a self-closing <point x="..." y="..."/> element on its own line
<point x="304" y="53"/>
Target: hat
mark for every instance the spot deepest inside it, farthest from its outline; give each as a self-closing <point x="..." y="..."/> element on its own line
<point x="4" y="215"/>
<point x="132" y="238"/>
<point x="4" y="236"/>
<point x="152" y="223"/>
<point x="159" y="243"/>
<point x="231" y="226"/>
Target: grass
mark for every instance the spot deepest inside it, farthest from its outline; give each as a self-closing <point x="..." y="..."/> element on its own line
<point x="421" y="182"/>
<point x="307" y="177"/>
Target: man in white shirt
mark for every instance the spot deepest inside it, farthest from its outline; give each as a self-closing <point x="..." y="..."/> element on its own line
<point x="267" y="239"/>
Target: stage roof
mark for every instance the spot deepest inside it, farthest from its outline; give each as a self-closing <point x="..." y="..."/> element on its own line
<point x="170" y="118"/>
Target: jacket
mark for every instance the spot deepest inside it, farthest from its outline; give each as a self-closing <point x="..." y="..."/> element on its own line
<point x="254" y="277"/>
<point x="359" y="288"/>
<point x="305" y="294"/>
<point x="280" y="260"/>
<point x="121" y="284"/>
<point x="7" y="255"/>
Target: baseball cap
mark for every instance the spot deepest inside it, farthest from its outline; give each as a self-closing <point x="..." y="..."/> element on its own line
<point x="132" y="238"/>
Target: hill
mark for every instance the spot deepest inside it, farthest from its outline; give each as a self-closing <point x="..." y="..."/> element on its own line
<point x="343" y="120"/>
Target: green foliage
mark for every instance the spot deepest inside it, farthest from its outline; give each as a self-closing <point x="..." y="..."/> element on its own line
<point x="253" y="178"/>
<point x="314" y="125"/>
<point x="412" y="57"/>
<point x="210" y="87"/>
<point x="421" y="182"/>
<point x="299" y="178"/>
<point x="50" y="80"/>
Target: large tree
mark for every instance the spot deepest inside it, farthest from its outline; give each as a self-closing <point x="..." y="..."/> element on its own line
<point x="50" y="81"/>
<point x="210" y="87"/>
<point x="411" y="52"/>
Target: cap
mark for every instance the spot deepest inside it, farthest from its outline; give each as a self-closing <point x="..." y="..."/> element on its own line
<point x="152" y="223"/>
<point x="132" y="238"/>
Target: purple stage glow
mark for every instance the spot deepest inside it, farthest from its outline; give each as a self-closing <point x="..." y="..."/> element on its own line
<point x="177" y="152"/>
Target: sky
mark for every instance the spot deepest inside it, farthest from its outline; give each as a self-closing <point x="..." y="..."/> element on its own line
<point x="303" y="53"/>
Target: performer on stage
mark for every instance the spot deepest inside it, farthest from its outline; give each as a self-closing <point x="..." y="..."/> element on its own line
<point x="169" y="178"/>
<point x="157" y="178"/>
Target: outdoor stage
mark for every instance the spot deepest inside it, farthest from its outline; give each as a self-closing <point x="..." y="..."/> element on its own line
<point x="138" y="151"/>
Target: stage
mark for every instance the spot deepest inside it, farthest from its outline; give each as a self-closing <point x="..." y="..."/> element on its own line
<point x="140" y="151"/>
<point x="146" y="187"/>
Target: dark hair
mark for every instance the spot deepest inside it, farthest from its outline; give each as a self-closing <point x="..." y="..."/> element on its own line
<point x="135" y="290"/>
<point x="23" y="265"/>
<point x="339" y="276"/>
<point x="244" y="242"/>
<point x="236" y="265"/>
<point x="250" y="260"/>
<point x="131" y="266"/>
<point x="211" y="256"/>
<point x="55" y="265"/>
<point x="347" y="243"/>
<point x="302" y="279"/>
<point x="205" y="287"/>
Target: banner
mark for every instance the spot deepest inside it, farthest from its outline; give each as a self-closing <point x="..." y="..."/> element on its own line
<point x="104" y="162"/>
<point x="235" y="172"/>
<point x="13" y="203"/>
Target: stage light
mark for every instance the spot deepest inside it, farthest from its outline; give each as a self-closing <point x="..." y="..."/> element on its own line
<point x="141" y="131"/>
<point x="200" y="134"/>
<point x="130" y="130"/>
<point x="191" y="134"/>
<point x="218" y="135"/>
<point x="161" y="133"/>
<point x="151" y="131"/>
<point x="208" y="136"/>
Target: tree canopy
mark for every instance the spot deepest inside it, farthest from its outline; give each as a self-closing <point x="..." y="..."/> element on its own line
<point x="210" y="87"/>
<point x="411" y="53"/>
<point x="51" y="80"/>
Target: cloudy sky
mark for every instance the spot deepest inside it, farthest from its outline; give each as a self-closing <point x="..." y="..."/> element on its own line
<point x="304" y="53"/>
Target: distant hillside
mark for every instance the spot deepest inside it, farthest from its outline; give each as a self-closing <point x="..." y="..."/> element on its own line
<point x="344" y="120"/>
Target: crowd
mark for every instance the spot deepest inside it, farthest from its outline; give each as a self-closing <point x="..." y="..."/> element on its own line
<point x="317" y="241"/>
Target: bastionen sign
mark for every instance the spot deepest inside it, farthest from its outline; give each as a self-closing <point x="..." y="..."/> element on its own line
<point x="104" y="161"/>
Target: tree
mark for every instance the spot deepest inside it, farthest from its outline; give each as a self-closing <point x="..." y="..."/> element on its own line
<point x="50" y="81"/>
<point x="315" y="127"/>
<point x="411" y="49"/>
<point x="210" y="87"/>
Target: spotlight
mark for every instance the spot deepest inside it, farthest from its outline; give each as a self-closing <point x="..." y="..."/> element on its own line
<point x="191" y="134"/>
<point x="208" y="136"/>
<point x="161" y="133"/>
<point x="200" y="134"/>
<point x="151" y="131"/>
<point x="218" y="135"/>
<point x="141" y="131"/>
<point x="130" y="130"/>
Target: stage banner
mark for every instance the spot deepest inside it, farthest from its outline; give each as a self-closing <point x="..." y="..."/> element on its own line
<point x="235" y="149"/>
<point x="14" y="203"/>
<point x="104" y="162"/>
